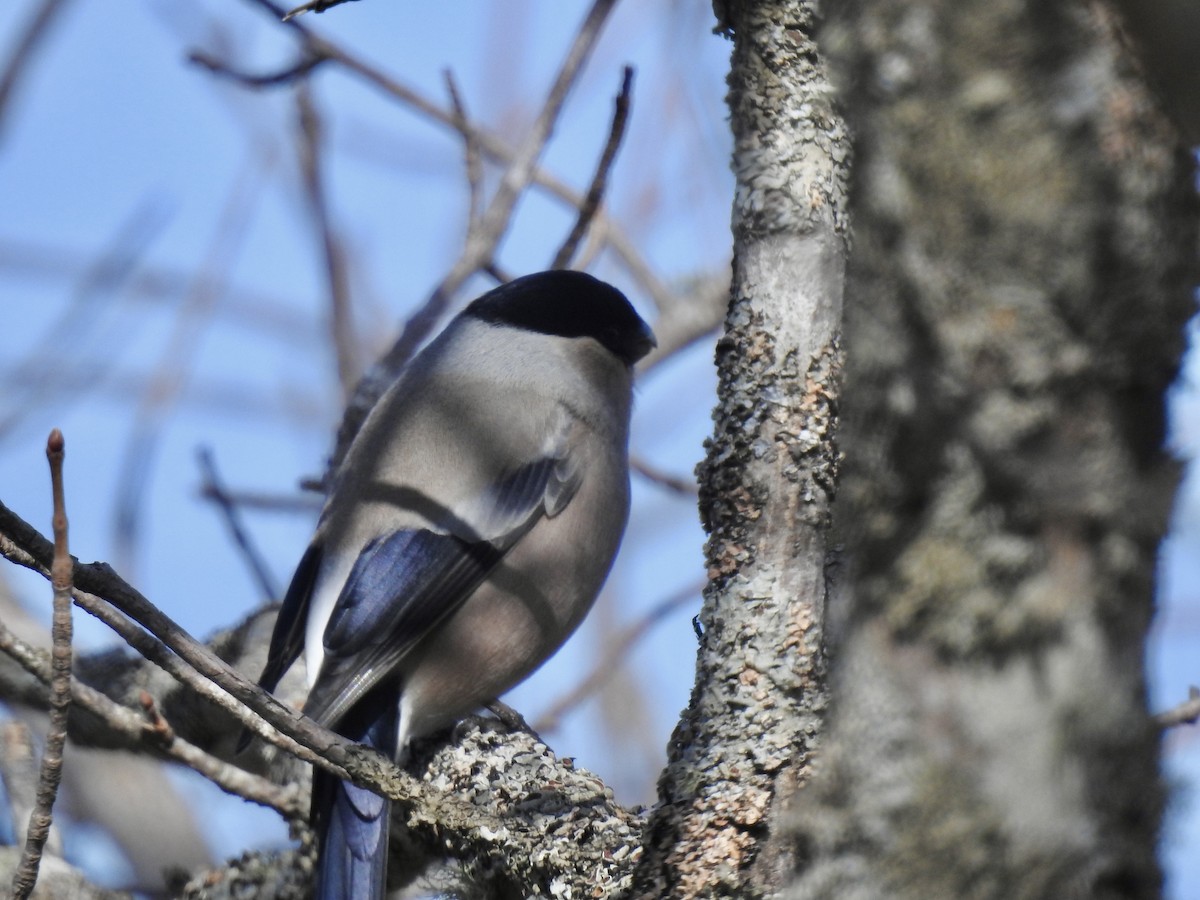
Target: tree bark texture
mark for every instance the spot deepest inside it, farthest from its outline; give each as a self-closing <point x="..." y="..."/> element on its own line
<point x="744" y="743"/>
<point x="1024" y="265"/>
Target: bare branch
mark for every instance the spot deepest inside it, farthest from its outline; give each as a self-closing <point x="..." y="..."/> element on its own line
<point x="178" y="358"/>
<point x="595" y="192"/>
<point x="296" y="71"/>
<point x="157" y="736"/>
<point x="31" y="38"/>
<point x="98" y="281"/>
<point x="181" y="657"/>
<point x="492" y="145"/>
<point x="688" y="316"/>
<point x="317" y="6"/>
<point x="473" y="161"/>
<point x="1186" y="713"/>
<point x="214" y="490"/>
<point x="262" y="500"/>
<point x="674" y="483"/>
<point x="495" y="219"/>
<point x="341" y="319"/>
<point x="42" y="816"/>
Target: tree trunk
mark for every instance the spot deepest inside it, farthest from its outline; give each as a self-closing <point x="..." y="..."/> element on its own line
<point x="1023" y="269"/>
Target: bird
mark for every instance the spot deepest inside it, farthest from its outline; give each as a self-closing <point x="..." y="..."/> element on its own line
<point x="465" y="536"/>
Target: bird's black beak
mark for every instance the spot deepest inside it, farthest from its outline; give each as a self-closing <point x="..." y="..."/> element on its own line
<point x="645" y="342"/>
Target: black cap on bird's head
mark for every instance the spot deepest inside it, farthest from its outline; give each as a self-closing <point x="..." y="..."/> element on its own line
<point x="569" y="304"/>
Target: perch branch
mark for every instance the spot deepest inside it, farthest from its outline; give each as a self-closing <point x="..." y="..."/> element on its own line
<point x="156" y="734"/>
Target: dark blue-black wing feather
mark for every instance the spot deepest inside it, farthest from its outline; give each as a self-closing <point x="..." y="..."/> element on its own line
<point x="287" y="640"/>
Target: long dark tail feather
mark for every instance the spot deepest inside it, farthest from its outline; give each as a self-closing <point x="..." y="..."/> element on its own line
<point x="352" y="822"/>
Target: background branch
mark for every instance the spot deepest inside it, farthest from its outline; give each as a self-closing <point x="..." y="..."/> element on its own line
<point x="595" y="191"/>
<point x="20" y="61"/>
<point x="214" y="489"/>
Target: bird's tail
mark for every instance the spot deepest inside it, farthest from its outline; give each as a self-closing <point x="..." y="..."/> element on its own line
<point x="352" y="822"/>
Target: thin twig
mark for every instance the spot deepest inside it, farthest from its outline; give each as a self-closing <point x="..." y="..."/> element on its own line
<point x="316" y="6"/>
<point x="297" y="70"/>
<point x="146" y="282"/>
<point x="97" y="286"/>
<point x="19" y="62"/>
<point x="595" y="191"/>
<point x="613" y="657"/>
<point x="214" y="489"/>
<point x="42" y="816"/>
<point x="265" y="501"/>
<point x="345" y="344"/>
<point x="674" y="483"/>
<point x="497" y="272"/>
<point x="474" y="163"/>
<point x="1186" y="713"/>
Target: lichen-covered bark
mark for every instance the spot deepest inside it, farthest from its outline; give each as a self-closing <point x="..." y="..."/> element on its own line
<point x="1024" y="262"/>
<point x="745" y="742"/>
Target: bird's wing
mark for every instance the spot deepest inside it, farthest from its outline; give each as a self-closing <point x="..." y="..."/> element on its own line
<point x="407" y="582"/>
<point x="287" y="640"/>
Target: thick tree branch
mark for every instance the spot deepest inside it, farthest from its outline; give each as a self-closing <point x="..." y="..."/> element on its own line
<point x="766" y="487"/>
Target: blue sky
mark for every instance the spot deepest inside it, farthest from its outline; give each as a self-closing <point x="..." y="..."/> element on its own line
<point x="118" y="150"/>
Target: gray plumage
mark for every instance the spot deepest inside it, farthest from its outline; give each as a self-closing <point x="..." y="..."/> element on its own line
<point x="466" y="535"/>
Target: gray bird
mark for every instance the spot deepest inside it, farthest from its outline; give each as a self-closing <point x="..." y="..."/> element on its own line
<point x="466" y="535"/>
